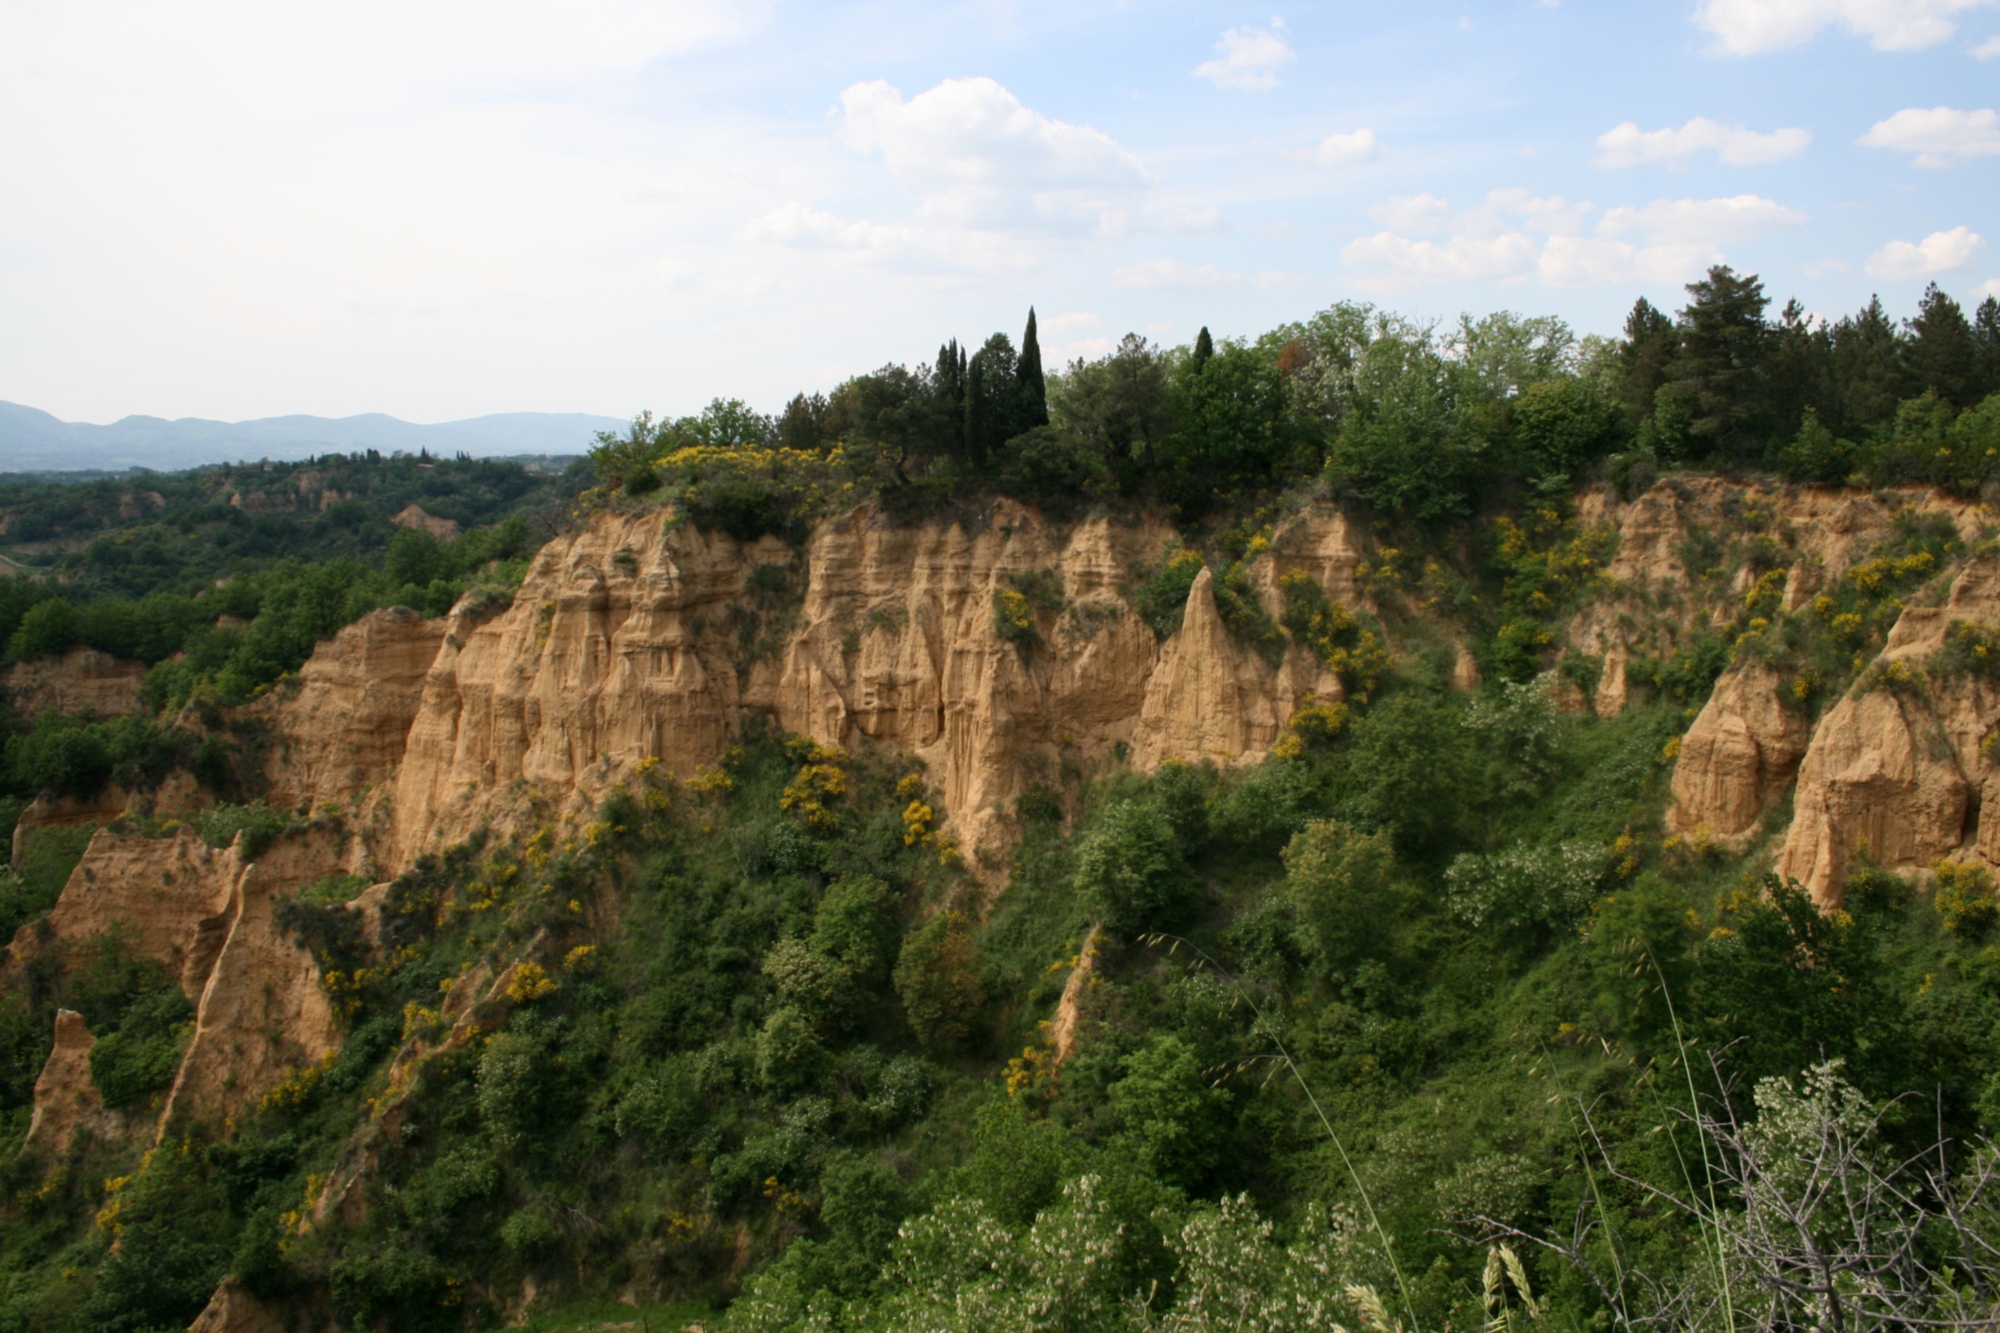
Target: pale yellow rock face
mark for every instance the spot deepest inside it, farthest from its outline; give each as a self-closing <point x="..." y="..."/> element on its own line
<point x="262" y="1012"/>
<point x="168" y="897"/>
<point x="629" y="640"/>
<point x="1740" y="755"/>
<point x="207" y="916"/>
<point x="343" y="728"/>
<point x="66" y="1098"/>
<point x="82" y="678"/>
<point x="1903" y="772"/>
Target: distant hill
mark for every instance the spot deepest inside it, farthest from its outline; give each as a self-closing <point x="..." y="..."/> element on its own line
<point x="34" y="441"/>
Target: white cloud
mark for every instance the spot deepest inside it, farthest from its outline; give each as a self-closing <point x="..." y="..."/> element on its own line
<point x="1193" y="221"/>
<point x="1939" y="252"/>
<point x="1987" y="49"/>
<point x="1745" y="27"/>
<point x="1937" y="135"/>
<point x="1248" y="58"/>
<point x="1337" y="150"/>
<point x="1627" y="145"/>
<point x="1170" y="275"/>
<point x="1413" y="212"/>
<point x="982" y="159"/>
<point x="1071" y="322"/>
<point x="796" y="224"/>
<point x="1460" y="258"/>
<point x="1707" y="222"/>
<point x="1990" y="287"/>
<point x="1517" y="236"/>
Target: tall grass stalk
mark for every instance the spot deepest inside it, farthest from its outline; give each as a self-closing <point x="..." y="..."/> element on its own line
<point x="1596" y="1192"/>
<point x="1711" y="1225"/>
<point x="1291" y="1066"/>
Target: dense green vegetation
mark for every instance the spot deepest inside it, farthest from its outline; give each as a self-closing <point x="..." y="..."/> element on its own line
<point x="1417" y="1024"/>
<point x="1427" y="423"/>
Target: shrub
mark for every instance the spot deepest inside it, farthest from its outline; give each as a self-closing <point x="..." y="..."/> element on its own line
<point x="789" y="1053"/>
<point x="1343" y="644"/>
<point x="1161" y="593"/>
<point x="940" y="982"/>
<point x="142" y="1055"/>
<point x="1130" y="872"/>
<point x="1171" y="1111"/>
<point x="1341" y="885"/>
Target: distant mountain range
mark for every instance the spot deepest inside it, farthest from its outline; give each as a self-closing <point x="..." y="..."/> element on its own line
<point x="33" y="441"/>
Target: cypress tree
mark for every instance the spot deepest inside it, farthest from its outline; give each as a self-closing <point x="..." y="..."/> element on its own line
<point x="1204" y="348"/>
<point x="990" y="395"/>
<point x="948" y="384"/>
<point x="1033" y="393"/>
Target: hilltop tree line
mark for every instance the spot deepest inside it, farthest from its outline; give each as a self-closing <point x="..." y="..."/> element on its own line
<point x="1417" y="419"/>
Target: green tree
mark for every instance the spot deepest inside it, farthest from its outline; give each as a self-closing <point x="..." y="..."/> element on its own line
<point x="1116" y="409"/>
<point x="1941" y="354"/>
<point x="991" y="399"/>
<point x="1404" y="443"/>
<point x="1171" y="1111"/>
<point x="1340" y="883"/>
<point x="46" y="629"/>
<point x="1505" y="353"/>
<point x="1721" y="363"/>
<point x="1563" y="425"/>
<point x="1986" y="336"/>
<point x="1867" y="371"/>
<point x="1644" y="358"/>
<point x="1033" y="408"/>
<point x="1233" y="427"/>
<point x="941" y="983"/>
<point x="1130" y="872"/>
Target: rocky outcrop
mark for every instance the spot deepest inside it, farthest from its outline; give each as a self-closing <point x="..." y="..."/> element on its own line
<point x="1653" y="602"/>
<point x="1899" y="767"/>
<point x="167" y="898"/>
<point x="66" y="1097"/>
<point x="81" y="679"/>
<point x="1738" y="758"/>
<point x="413" y="516"/>
<point x="208" y="917"/>
<point x="262" y="1012"/>
<point x="344" y="727"/>
<point x="638" y="637"/>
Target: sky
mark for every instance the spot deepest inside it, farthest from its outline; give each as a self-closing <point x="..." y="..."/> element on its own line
<point x="233" y="209"/>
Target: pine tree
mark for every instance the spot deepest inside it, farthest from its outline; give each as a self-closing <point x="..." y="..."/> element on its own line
<point x="1801" y="358"/>
<point x="1724" y="343"/>
<point x="1941" y="353"/>
<point x="1986" y="334"/>
<point x="1643" y="358"/>
<point x="1867" y="371"/>
<point x="1204" y="348"/>
<point x="1033" y="394"/>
